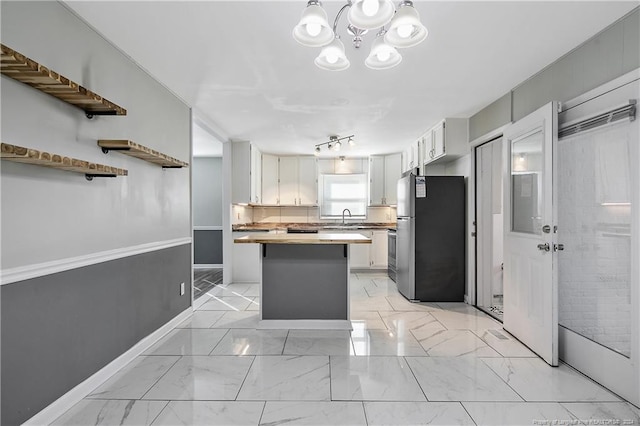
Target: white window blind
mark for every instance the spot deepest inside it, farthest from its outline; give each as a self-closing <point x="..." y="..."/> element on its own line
<point x="339" y="192"/>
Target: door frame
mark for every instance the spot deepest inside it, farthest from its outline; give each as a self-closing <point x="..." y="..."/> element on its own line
<point x="472" y="281"/>
<point x="475" y="236"/>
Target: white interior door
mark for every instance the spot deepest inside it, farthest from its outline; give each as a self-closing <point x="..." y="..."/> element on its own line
<point x="530" y="278"/>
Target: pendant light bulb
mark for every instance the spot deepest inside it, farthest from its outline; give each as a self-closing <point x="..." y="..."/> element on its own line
<point x="317" y="151"/>
<point x="313" y="29"/>
<point x="370" y="14"/>
<point x="332" y="57"/>
<point x="405" y="29"/>
<point x="370" y="7"/>
<point x="382" y="55"/>
<point x="337" y="146"/>
<point x="351" y="142"/>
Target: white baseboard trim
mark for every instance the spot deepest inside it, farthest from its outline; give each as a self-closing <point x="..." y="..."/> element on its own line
<point x="305" y="324"/>
<point x="206" y="265"/>
<point x="21" y="273"/>
<point x="58" y="407"/>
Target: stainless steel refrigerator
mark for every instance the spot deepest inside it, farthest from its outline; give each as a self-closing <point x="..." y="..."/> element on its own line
<point x="430" y="240"/>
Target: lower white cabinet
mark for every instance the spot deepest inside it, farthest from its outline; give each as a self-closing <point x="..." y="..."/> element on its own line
<point x="379" y="249"/>
<point x="359" y="254"/>
<point x="246" y="261"/>
<point x="367" y="256"/>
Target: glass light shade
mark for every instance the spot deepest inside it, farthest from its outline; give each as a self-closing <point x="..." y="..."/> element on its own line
<point x="332" y="57"/>
<point x="359" y="14"/>
<point x="406" y="30"/>
<point x="313" y="30"/>
<point x="382" y="55"/>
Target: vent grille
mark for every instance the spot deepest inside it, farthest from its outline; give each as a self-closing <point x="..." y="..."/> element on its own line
<point x="621" y="113"/>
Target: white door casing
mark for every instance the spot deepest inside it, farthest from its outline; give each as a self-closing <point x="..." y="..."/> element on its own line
<point x="530" y="275"/>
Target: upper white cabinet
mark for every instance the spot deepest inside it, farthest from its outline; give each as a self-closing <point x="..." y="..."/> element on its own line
<point x="384" y="172"/>
<point x="246" y="178"/>
<point x="307" y="181"/>
<point x="289" y="181"/>
<point x="270" y="179"/>
<point x="446" y="141"/>
<point x="256" y="175"/>
<point x="392" y="172"/>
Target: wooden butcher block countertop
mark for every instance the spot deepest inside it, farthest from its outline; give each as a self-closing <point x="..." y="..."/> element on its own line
<point x="304" y="239"/>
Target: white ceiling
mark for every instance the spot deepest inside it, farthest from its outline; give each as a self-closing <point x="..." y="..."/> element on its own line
<point x="237" y="65"/>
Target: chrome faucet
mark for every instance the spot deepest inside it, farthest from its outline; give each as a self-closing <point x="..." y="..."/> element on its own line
<point x="345" y="210"/>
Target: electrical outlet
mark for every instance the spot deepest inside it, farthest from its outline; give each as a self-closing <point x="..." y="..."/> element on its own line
<point x="181" y="289"/>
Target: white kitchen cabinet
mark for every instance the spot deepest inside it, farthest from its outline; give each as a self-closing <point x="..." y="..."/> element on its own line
<point x="256" y="175"/>
<point x="367" y="256"/>
<point x="392" y="172"/>
<point x="307" y="181"/>
<point x="288" y="181"/>
<point x="245" y="187"/>
<point x="376" y="180"/>
<point x="384" y="172"/>
<point x="449" y="141"/>
<point x="360" y="254"/>
<point x="270" y="179"/>
<point x="246" y="261"/>
<point x="379" y="249"/>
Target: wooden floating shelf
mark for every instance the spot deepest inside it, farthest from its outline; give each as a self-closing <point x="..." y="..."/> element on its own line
<point x="142" y="152"/>
<point x="21" y="154"/>
<point x="28" y="71"/>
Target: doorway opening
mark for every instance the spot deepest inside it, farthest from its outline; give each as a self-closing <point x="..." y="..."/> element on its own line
<point x="489" y="227"/>
<point x="206" y="199"/>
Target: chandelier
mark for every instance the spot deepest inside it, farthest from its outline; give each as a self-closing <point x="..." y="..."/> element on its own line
<point x="405" y="30"/>
<point x="334" y="143"/>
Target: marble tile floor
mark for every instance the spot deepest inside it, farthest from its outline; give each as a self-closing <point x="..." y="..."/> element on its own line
<point x="205" y="279"/>
<point x="403" y="364"/>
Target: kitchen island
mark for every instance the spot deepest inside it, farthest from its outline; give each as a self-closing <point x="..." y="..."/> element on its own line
<point x="305" y="279"/>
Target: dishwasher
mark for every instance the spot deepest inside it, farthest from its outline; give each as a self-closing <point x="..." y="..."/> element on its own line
<point x="391" y="258"/>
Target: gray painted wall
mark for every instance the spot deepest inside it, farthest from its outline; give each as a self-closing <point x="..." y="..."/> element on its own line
<point x="207" y="191"/>
<point x="207" y="210"/>
<point x="611" y="53"/>
<point x="207" y="247"/>
<point x="59" y="329"/>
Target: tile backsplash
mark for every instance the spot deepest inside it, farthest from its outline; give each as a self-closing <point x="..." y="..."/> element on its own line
<point x="257" y="214"/>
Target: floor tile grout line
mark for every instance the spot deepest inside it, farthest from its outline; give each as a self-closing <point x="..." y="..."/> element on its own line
<point x="245" y="377"/>
<point x="160" y="412"/>
<point x="413" y="373"/>
<point x="219" y="341"/>
<point x="468" y="413"/>
<point x="264" y="406"/>
<point x="160" y="378"/>
<point x="364" y="411"/>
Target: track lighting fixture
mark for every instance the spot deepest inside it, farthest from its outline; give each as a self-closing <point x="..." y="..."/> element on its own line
<point x="334" y="143"/>
<point x="405" y="30"/>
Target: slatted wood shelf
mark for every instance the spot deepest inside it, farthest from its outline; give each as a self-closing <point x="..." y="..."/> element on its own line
<point x="21" y="154"/>
<point x="142" y="152"/>
<point x="28" y="71"/>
